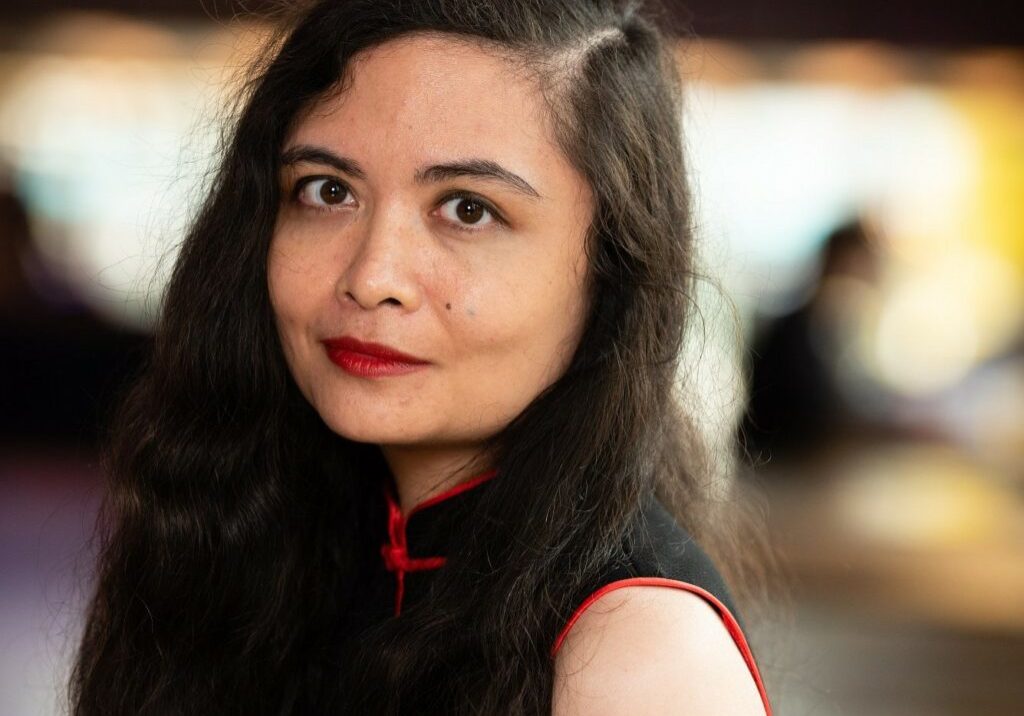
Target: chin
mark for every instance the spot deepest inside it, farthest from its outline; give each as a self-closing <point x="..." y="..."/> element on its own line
<point x="350" y="420"/>
<point x="374" y="435"/>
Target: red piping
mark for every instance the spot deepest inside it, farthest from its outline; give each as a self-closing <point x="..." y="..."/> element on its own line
<point x="730" y="621"/>
<point x="395" y="552"/>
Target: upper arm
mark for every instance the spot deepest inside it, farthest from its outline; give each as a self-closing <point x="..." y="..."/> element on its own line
<point x="652" y="649"/>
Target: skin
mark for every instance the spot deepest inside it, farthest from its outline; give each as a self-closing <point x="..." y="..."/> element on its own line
<point x="652" y="650"/>
<point x="495" y="301"/>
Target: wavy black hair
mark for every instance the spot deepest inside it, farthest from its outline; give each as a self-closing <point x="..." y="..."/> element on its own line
<point x="236" y="524"/>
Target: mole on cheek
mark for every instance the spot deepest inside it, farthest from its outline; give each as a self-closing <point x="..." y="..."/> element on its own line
<point x="448" y="306"/>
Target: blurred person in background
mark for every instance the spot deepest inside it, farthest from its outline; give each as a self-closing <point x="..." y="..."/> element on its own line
<point x="503" y="511"/>
<point x="797" y="401"/>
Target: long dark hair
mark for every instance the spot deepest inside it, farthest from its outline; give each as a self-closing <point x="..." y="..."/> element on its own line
<point x="236" y="523"/>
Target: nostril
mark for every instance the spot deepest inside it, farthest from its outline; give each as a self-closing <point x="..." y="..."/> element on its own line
<point x="367" y="301"/>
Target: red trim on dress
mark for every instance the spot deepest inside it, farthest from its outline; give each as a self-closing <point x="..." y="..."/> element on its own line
<point x="730" y="621"/>
<point x="395" y="552"/>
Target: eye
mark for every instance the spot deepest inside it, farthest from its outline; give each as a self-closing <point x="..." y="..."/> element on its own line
<point x="466" y="210"/>
<point x="320" y="192"/>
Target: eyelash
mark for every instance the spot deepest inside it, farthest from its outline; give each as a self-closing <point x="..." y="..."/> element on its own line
<point x="458" y="194"/>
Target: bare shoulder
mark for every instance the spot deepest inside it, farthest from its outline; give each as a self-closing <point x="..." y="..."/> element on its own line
<point x="652" y="649"/>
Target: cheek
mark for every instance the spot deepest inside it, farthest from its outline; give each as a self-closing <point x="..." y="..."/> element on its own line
<point x="289" y="285"/>
<point x="279" y="290"/>
<point x="524" y="322"/>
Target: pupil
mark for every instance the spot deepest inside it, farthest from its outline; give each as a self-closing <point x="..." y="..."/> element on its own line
<point x="331" y="192"/>
<point x="471" y="215"/>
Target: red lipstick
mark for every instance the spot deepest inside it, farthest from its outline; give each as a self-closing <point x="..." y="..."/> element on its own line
<point x="370" y="360"/>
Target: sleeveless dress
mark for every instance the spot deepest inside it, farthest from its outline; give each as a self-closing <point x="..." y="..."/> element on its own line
<point x="659" y="553"/>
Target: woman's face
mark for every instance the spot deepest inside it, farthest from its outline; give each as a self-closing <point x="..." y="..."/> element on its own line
<point x="428" y="209"/>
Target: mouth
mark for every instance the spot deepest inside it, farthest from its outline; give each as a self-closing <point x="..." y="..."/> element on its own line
<point x="370" y="360"/>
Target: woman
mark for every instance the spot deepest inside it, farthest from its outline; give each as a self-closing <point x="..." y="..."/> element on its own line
<point x="411" y="396"/>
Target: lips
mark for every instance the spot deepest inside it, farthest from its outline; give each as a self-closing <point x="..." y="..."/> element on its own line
<point x="370" y="360"/>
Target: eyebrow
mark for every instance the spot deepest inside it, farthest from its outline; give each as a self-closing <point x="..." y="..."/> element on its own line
<point x="316" y="155"/>
<point x="478" y="168"/>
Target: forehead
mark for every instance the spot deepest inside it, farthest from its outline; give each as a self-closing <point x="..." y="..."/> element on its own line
<point x="434" y="96"/>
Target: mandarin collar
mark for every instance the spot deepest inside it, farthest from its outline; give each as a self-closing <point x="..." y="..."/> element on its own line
<point x="419" y="540"/>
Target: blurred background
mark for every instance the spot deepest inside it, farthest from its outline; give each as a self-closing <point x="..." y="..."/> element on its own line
<point x="859" y="177"/>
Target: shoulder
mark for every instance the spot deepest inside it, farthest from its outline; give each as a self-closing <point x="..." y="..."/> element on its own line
<point x="648" y="648"/>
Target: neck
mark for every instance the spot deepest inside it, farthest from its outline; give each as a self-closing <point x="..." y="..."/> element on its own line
<point x="422" y="472"/>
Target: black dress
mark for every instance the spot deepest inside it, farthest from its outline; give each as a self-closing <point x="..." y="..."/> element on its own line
<point x="659" y="553"/>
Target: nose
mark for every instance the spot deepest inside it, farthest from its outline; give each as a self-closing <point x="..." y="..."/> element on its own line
<point x="382" y="269"/>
